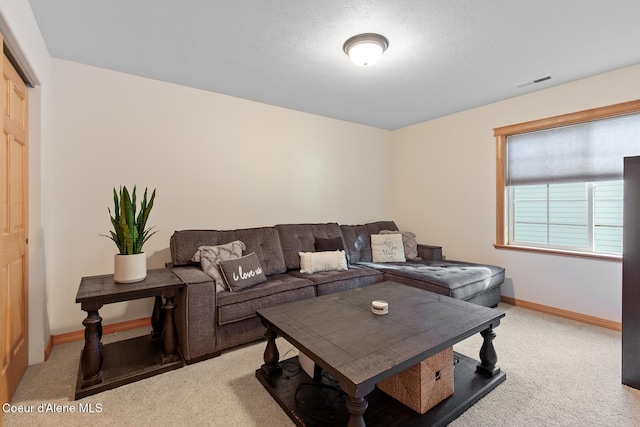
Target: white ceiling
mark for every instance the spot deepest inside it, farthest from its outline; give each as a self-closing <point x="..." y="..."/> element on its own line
<point x="444" y="56"/>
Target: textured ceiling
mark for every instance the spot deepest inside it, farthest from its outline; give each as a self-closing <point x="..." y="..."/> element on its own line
<point x="444" y="56"/>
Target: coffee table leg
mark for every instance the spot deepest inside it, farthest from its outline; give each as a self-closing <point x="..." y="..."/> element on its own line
<point x="271" y="354"/>
<point x="488" y="356"/>
<point x="356" y="407"/>
<point x="92" y="356"/>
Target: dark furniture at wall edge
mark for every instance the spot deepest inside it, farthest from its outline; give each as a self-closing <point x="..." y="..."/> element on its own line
<point x="631" y="274"/>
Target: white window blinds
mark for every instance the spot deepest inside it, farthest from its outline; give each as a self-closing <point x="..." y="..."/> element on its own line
<point x="586" y="152"/>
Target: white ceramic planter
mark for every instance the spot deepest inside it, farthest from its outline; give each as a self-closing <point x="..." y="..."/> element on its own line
<point x="130" y="268"/>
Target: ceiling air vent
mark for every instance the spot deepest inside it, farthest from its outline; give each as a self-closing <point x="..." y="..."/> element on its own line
<point x="540" y="80"/>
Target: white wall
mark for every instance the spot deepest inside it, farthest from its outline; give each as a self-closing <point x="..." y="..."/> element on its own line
<point x="216" y="161"/>
<point x="21" y="32"/>
<point x="444" y="190"/>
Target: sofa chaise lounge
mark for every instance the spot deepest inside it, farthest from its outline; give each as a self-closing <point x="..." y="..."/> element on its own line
<point x="210" y="320"/>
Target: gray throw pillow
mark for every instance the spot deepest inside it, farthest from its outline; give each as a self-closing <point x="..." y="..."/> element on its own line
<point x="325" y="244"/>
<point x="242" y="273"/>
<point x="209" y="256"/>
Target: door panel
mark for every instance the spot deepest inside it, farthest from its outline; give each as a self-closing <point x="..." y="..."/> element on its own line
<point x="13" y="235"/>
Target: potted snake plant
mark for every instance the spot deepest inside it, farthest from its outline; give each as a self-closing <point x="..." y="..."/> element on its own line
<point x="130" y="233"/>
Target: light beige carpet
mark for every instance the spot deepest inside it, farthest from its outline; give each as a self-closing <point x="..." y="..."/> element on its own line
<point x="559" y="373"/>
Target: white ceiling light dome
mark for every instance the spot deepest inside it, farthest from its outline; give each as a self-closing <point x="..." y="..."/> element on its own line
<point x="365" y="49"/>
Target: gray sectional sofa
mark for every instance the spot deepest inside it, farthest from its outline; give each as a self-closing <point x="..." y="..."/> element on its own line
<point x="209" y="322"/>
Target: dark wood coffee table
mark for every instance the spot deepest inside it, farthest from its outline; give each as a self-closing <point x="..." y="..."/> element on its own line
<point x="358" y="349"/>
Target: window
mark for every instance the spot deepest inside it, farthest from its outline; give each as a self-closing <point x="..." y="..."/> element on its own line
<point x="557" y="216"/>
<point x="559" y="181"/>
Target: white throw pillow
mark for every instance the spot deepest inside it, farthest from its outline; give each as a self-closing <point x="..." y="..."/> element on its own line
<point x="387" y="248"/>
<point x="409" y="242"/>
<point x="312" y="262"/>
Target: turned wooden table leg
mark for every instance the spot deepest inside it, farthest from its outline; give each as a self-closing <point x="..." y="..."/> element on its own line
<point x="356" y="406"/>
<point x="488" y="356"/>
<point x="271" y="354"/>
<point x="169" y="333"/>
<point x="92" y="355"/>
<point x="157" y="319"/>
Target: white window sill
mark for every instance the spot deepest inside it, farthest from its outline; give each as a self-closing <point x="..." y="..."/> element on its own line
<point x="602" y="257"/>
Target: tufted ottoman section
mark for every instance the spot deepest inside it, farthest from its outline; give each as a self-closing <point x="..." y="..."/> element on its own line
<point x="461" y="280"/>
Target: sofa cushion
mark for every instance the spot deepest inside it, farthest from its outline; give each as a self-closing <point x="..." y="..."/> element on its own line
<point x="456" y="279"/>
<point x="357" y="239"/>
<point x="312" y="262"/>
<point x="296" y="238"/>
<point x="242" y="273"/>
<point x="387" y="248"/>
<point x="278" y="289"/>
<point x="264" y="241"/>
<point x="328" y="282"/>
<point x="184" y="244"/>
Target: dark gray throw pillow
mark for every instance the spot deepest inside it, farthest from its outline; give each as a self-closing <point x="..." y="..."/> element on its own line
<point x="333" y="244"/>
<point x="242" y="273"/>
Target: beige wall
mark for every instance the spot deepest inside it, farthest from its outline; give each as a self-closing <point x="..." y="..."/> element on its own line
<point x="444" y="190"/>
<point x="216" y="161"/>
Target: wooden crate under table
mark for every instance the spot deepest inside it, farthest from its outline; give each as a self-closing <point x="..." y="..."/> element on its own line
<point x="424" y="385"/>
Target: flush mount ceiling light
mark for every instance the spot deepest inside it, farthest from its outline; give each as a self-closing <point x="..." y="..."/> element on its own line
<point x="365" y="49"/>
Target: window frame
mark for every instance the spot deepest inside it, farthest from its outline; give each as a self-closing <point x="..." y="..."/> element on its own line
<point x="501" y="134"/>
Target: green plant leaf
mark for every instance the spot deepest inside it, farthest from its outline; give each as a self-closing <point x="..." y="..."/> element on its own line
<point x="129" y="230"/>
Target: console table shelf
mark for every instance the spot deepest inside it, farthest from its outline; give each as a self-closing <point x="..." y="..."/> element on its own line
<point x="127" y="361"/>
